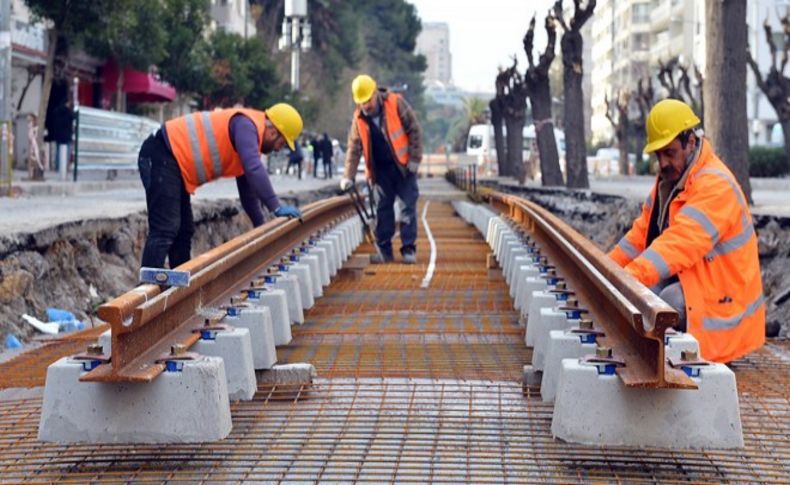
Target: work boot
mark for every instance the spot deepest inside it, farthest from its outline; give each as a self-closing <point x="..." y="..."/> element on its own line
<point x="381" y="257"/>
<point x="409" y="257"/>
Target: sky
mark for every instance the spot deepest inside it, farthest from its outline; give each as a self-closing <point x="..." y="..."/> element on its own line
<point x="484" y="34"/>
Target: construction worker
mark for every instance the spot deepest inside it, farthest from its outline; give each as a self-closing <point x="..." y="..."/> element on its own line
<point x="385" y="130"/>
<point x="694" y="244"/>
<point x="191" y="150"/>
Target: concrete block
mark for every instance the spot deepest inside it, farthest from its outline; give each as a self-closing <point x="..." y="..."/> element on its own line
<point x="532" y="376"/>
<point x="518" y="258"/>
<point x="186" y="406"/>
<point x="504" y="242"/>
<point x="290" y="285"/>
<point x="337" y="246"/>
<point x="507" y="260"/>
<point x="314" y="263"/>
<point x="539" y="300"/>
<point x="523" y="272"/>
<point x="288" y="374"/>
<point x="598" y="409"/>
<point x="323" y="264"/>
<point x="302" y="273"/>
<point x="677" y="342"/>
<point x="331" y="253"/>
<point x="562" y="344"/>
<point x="234" y="347"/>
<point x="258" y="320"/>
<point x="494" y="225"/>
<point x="342" y="238"/>
<point x="549" y="319"/>
<point x="277" y="302"/>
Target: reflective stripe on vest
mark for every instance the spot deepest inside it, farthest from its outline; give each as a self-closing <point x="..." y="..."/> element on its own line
<point x="658" y="262"/>
<point x="709" y="323"/>
<point x="721" y="248"/>
<point x="628" y="248"/>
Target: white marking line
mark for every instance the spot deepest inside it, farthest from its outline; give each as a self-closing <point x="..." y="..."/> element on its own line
<point x="432" y="264"/>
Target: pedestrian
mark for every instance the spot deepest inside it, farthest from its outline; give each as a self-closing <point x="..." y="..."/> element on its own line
<point x="35" y="161"/>
<point x="385" y="131"/>
<point x="326" y="155"/>
<point x="191" y="150"/>
<point x="694" y="243"/>
<point x="315" y="144"/>
<point x="295" y="158"/>
<point x="62" y="123"/>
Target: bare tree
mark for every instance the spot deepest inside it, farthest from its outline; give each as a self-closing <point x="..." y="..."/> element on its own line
<point x="539" y="90"/>
<point x="617" y="114"/>
<point x="515" y="113"/>
<point x="572" y="50"/>
<point x="496" y="120"/>
<point x="643" y="97"/>
<point x="775" y="85"/>
<point x="725" y="86"/>
<point x="674" y="78"/>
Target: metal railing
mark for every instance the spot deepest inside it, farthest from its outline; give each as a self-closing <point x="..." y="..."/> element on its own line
<point x="106" y="140"/>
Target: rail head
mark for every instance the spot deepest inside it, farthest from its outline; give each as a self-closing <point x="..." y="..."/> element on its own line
<point x="634" y="319"/>
<point x="146" y="321"/>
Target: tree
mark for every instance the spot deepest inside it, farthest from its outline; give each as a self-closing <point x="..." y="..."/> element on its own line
<point x="572" y="45"/>
<point x="66" y="18"/>
<point x="674" y="78"/>
<point x="515" y="113"/>
<point x="776" y="85"/>
<point x="725" y="86"/>
<point x="186" y="62"/>
<point x="643" y="96"/>
<point x="132" y="34"/>
<point x="617" y="114"/>
<point x="539" y="91"/>
<point x="496" y="120"/>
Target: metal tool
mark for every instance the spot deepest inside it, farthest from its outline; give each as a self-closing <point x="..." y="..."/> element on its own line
<point x="164" y="277"/>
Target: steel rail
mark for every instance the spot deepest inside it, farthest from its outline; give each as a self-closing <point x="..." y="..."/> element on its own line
<point x="632" y="317"/>
<point x="147" y="321"/>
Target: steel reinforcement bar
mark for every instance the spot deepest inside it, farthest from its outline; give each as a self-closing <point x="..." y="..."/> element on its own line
<point x="147" y="321"/>
<point x="632" y="317"/>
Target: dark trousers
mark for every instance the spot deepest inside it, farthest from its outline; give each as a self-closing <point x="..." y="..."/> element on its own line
<point x="170" y="223"/>
<point x="327" y="168"/>
<point x="297" y="164"/>
<point x="390" y="184"/>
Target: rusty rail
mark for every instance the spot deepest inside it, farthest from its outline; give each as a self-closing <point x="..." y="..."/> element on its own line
<point x="633" y="319"/>
<point x="146" y="321"/>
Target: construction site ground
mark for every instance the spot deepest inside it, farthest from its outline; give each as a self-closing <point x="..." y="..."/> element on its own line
<point x="414" y="386"/>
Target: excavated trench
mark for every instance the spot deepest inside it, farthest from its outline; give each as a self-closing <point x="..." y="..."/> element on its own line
<point x="79" y="265"/>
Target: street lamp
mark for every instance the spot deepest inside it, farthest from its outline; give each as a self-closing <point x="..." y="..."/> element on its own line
<point x="296" y="35"/>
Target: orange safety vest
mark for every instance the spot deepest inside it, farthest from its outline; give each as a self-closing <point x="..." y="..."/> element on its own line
<point x="711" y="246"/>
<point x="398" y="139"/>
<point x="201" y="144"/>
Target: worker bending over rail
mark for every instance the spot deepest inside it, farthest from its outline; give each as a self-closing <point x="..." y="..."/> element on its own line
<point x="385" y="130"/>
<point x="191" y="150"/>
<point x="694" y="243"/>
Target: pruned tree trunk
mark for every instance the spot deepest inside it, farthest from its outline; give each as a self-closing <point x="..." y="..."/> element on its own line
<point x="539" y="90"/>
<point x="725" y="86"/>
<point x="515" y="144"/>
<point x="775" y="85"/>
<point x="499" y="135"/>
<point x="514" y="111"/>
<point x="46" y="87"/>
<point x="119" y="107"/>
<point x="644" y="101"/>
<point x="617" y="114"/>
<point x="572" y="45"/>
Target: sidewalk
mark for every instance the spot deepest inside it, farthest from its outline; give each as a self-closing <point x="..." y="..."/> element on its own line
<point x="53" y="202"/>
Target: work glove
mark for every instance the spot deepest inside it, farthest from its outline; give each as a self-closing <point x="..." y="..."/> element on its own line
<point x="288" y="211"/>
<point x="346" y="184"/>
<point x="413" y="167"/>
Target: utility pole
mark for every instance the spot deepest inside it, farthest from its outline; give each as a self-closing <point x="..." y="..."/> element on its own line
<point x="5" y="93"/>
<point x="296" y="35"/>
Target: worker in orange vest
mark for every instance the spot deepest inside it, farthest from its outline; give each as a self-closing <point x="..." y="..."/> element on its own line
<point x="385" y="131"/>
<point x="694" y="243"/>
<point x="191" y="150"/>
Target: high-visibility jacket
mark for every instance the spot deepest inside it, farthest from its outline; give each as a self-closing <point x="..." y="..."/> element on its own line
<point x="711" y="246"/>
<point x="396" y="136"/>
<point x="201" y="144"/>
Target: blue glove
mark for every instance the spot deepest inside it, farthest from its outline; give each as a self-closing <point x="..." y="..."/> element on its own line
<point x="288" y="211"/>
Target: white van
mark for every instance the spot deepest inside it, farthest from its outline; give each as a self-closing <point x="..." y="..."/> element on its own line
<point x="481" y="143"/>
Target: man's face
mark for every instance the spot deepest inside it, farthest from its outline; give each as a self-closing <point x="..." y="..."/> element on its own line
<point x="370" y="106"/>
<point x="672" y="158"/>
<point x="273" y="141"/>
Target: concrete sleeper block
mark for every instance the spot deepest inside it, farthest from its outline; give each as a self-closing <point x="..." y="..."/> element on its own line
<point x="277" y="302"/>
<point x="234" y="347"/>
<point x="187" y="406"/>
<point x="258" y="320"/>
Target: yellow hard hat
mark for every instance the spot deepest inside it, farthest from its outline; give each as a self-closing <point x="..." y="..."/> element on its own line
<point x="668" y="119"/>
<point x="362" y="88"/>
<point x="287" y="120"/>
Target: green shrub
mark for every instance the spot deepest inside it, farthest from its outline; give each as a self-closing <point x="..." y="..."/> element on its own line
<point x="768" y="162"/>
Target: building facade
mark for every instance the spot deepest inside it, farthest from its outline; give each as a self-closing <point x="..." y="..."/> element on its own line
<point x="434" y="43"/>
<point x="233" y="16"/>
